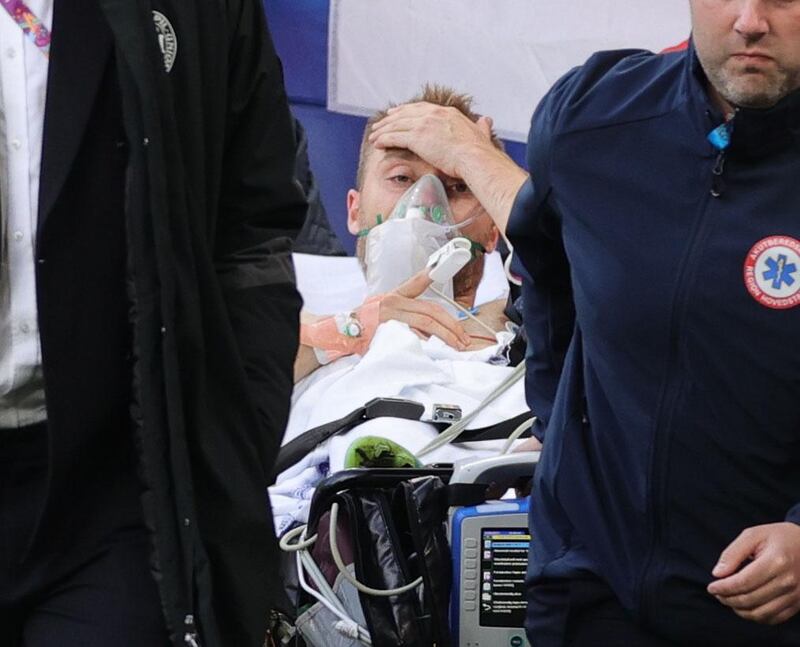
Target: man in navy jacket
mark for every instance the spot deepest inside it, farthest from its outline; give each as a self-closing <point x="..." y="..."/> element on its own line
<point x="660" y="231"/>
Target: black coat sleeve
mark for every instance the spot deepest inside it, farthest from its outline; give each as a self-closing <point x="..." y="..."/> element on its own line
<point x="317" y="235"/>
<point x="261" y="211"/>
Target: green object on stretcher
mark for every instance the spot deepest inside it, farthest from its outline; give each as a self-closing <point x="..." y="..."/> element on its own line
<point x="374" y="451"/>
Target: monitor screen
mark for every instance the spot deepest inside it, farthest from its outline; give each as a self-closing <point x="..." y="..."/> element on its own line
<point x="504" y="562"/>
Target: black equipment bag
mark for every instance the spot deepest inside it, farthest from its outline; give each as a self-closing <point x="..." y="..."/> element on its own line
<point x="392" y="527"/>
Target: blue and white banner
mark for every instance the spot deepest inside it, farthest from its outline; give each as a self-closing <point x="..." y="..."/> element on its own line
<point x="506" y="53"/>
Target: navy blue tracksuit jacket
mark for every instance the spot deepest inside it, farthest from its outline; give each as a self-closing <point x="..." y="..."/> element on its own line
<point x="663" y="319"/>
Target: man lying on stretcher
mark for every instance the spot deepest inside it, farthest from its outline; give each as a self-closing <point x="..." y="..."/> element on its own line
<point x="404" y="341"/>
<point x="395" y="238"/>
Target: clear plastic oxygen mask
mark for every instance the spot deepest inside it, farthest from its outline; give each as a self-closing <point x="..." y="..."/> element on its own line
<point x="419" y="225"/>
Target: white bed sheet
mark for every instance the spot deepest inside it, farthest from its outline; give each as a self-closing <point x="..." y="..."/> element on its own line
<point x="397" y="364"/>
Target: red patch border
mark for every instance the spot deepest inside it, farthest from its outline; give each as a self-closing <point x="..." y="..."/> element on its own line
<point x="750" y="281"/>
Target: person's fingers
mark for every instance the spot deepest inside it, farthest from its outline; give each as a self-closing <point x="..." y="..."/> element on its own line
<point x="426" y="317"/>
<point x="774" y="588"/>
<point x="410" y="107"/>
<point x="417" y="109"/>
<point x="788" y="613"/>
<point x="392" y="140"/>
<point x="774" y="612"/>
<point x="405" y="118"/>
<point x="445" y="319"/>
<point x="397" y="123"/>
<point x="404" y="299"/>
<point x="752" y="577"/>
<point x="740" y="549"/>
<point x="430" y="326"/>
<point x="414" y="286"/>
<point x="412" y="132"/>
<point x="485" y="124"/>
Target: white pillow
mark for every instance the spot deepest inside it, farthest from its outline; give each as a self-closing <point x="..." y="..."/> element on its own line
<point x="332" y="284"/>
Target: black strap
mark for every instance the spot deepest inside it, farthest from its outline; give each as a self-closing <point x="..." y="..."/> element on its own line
<point x="498" y="431"/>
<point x="295" y="450"/>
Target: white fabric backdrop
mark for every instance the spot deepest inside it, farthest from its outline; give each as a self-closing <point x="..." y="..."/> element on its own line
<point x="506" y="53"/>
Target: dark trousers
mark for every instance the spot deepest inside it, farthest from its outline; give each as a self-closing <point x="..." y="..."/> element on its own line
<point x="85" y="594"/>
<point x="582" y="612"/>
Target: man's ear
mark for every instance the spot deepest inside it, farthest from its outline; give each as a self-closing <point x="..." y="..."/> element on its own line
<point x="353" y="216"/>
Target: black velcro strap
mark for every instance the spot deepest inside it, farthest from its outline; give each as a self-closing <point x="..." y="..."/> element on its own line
<point x="499" y="431"/>
<point x="293" y="451"/>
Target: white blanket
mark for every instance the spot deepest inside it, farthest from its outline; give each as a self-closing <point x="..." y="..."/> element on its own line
<point x="398" y="364"/>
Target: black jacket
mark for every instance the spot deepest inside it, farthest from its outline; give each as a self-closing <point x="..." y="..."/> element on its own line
<point x="210" y="206"/>
<point x="317" y="235"/>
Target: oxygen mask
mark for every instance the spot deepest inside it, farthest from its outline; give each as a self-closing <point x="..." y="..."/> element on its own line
<point x="420" y="224"/>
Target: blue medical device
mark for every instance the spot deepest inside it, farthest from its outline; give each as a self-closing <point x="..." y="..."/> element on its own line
<point x="489" y="544"/>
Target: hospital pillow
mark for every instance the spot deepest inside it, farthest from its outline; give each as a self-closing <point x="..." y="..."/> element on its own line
<point x="332" y="284"/>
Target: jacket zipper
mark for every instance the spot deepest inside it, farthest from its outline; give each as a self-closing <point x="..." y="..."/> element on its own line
<point x="190" y="638"/>
<point x="671" y="390"/>
<point x="718" y="180"/>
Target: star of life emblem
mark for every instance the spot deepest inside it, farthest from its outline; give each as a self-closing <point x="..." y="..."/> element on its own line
<point x="167" y="40"/>
<point x="772" y="272"/>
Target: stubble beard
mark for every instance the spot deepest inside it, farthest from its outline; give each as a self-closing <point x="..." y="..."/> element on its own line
<point x="740" y="90"/>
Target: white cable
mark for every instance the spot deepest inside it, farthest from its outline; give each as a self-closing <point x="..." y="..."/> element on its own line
<point x="363" y="634"/>
<point x="328" y="593"/>
<point x="454" y="430"/>
<point x="349" y="629"/>
<point x="462" y="309"/>
<point x="333" y="603"/>
<point x="298" y="545"/>
<point x="329" y="598"/>
<point x="337" y="558"/>
<point x="305" y="560"/>
<point x="521" y="429"/>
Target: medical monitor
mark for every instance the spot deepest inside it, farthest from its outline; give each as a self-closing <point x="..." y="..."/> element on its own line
<point x="490" y="545"/>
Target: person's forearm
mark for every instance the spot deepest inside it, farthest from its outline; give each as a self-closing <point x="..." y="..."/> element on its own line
<point x="494" y="178"/>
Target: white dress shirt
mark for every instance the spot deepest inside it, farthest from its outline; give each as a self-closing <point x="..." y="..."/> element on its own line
<point x="23" y="84"/>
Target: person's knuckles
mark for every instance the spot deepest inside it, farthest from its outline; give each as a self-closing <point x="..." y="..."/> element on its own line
<point x="780" y="561"/>
<point x="442" y="315"/>
<point x="788" y="613"/>
<point x="745" y="602"/>
<point x="423" y="321"/>
<point x="760" y="614"/>
<point x="788" y="583"/>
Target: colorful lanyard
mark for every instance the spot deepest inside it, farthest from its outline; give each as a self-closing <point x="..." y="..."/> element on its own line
<point x="29" y="24"/>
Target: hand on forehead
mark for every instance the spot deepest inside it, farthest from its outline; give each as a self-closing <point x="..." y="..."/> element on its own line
<point x="390" y="173"/>
<point x="403" y="157"/>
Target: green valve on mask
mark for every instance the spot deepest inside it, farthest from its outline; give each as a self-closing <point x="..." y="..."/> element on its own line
<point x="437" y="214"/>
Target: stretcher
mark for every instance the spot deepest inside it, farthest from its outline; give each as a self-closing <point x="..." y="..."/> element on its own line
<point x="396" y="556"/>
